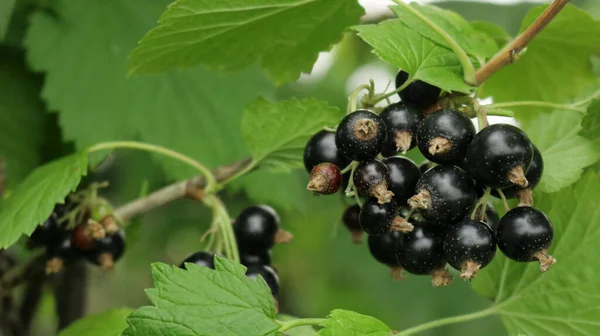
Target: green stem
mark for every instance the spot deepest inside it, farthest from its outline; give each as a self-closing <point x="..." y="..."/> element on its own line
<point x="465" y="61"/>
<point x="482" y="202"/>
<point x="227" y="229"/>
<point x="377" y="98"/>
<point x="587" y="100"/>
<point x="448" y="320"/>
<point x="536" y="104"/>
<point x="499" y="112"/>
<point x="211" y="182"/>
<point x="237" y="175"/>
<point x="352" y="99"/>
<point x="504" y="201"/>
<point x="287" y="325"/>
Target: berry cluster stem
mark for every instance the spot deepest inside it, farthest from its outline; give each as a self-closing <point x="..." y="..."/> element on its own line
<point x="448" y="320"/>
<point x="287" y="325"/>
<point x="373" y="100"/>
<point x="353" y="98"/>
<point x="482" y="202"/>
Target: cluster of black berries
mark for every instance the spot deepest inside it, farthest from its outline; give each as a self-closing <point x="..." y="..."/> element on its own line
<point x="421" y="218"/>
<point x="74" y="231"/>
<point x="257" y="229"/>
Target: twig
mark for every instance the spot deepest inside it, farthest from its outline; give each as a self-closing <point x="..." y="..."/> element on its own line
<point x="31" y="300"/>
<point x="70" y="290"/>
<point x="189" y="188"/>
<point x="511" y="52"/>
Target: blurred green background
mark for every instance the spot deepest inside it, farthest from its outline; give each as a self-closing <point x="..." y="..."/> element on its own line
<point x="321" y="269"/>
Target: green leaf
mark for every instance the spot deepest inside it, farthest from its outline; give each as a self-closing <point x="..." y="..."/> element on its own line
<point x="218" y="302"/>
<point x="33" y="200"/>
<point x="565" y="152"/>
<point x="591" y="121"/>
<point x="109" y="323"/>
<point x="497" y="33"/>
<point x="6" y="9"/>
<point x="346" y="323"/>
<point x="410" y="51"/>
<point x="297" y="331"/>
<point x="284" y="36"/>
<point x="563" y="301"/>
<point x="22" y="117"/>
<point x="556" y="65"/>
<point x="193" y="112"/>
<point x="276" y="133"/>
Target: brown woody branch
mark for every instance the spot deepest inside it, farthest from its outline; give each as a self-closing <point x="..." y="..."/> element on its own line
<point x="511" y="52"/>
<point x="192" y="188"/>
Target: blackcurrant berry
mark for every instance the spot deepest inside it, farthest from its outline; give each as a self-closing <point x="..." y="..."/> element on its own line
<point x="401" y="121"/>
<point x="108" y="250"/>
<point x="60" y="252"/>
<point x="371" y="178"/>
<point x="325" y="179"/>
<point x="352" y="223"/>
<point x="445" y="135"/>
<point x="321" y="148"/>
<point x="51" y="229"/>
<point x="499" y="156"/>
<point x="404" y="175"/>
<point x="257" y="229"/>
<point x="533" y="176"/>
<point x="384" y="247"/>
<point x="421" y="252"/>
<point x="360" y="135"/>
<point x="268" y="274"/>
<point x="202" y="258"/>
<point x="525" y="234"/>
<point x="418" y="92"/>
<point x="445" y="195"/>
<point x="470" y="245"/>
<point x="255" y="258"/>
<point x="377" y="218"/>
<point x="425" y="166"/>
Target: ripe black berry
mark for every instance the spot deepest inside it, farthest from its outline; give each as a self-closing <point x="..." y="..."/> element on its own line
<point x="470" y="245"/>
<point x="445" y="135"/>
<point x="371" y="178"/>
<point x="360" y="135"/>
<point x="404" y="175"/>
<point x="108" y="250"/>
<point x="205" y="259"/>
<point x="60" y="252"/>
<point x="525" y="234"/>
<point x="257" y="229"/>
<point x="384" y="247"/>
<point x="268" y="274"/>
<point x="377" y="218"/>
<point x="401" y="121"/>
<point x="445" y="195"/>
<point x="255" y="258"/>
<point x="533" y="176"/>
<point x="499" y="156"/>
<point x="418" y="92"/>
<point x="352" y="223"/>
<point x="51" y="229"/>
<point x="321" y="148"/>
<point x="425" y="166"/>
<point x="325" y="179"/>
<point x="422" y="252"/>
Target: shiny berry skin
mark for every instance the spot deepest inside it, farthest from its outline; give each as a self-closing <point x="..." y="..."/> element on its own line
<point x="491" y="217"/>
<point x="384" y="247"/>
<point x="401" y="121"/>
<point x="255" y="228"/>
<point x="444" y="136"/>
<point x="417" y="93"/>
<point x="404" y="175"/>
<point x="371" y="178"/>
<point x="499" y="156"/>
<point x="533" y="176"/>
<point x="321" y="148"/>
<point x="445" y="195"/>
<point x="469" y="246"/>
<point x="268" y="274"/>
<point x="523" y="232"/>
<point x="260" y="258"/>
<point x="351" y="218"/>
<point x="63" y="248"/>
<point x="108" y="250"/>
<point x="360" y="135"/>
<point x="325" y="179"/>
<point x="202" y="258"/>
<point x="377" y="218"/>
<point x="422" y="250"/>
<point x="425" y="166"/>
<point x="51" y="229"/>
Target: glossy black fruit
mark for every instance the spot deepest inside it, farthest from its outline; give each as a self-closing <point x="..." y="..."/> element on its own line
<point x="51" y="230"/>
<point x="352" y="222"/>
<point x="108" y="250"/>
<point x="268" y="274"/>
<point x="202" y="258"/>
<point x="490" y="217"/>
<point x="377" y="218"/>
<point x="525" y="234"/>
<point x="422" y="250"/>
<point x="325" y="179"/>
<point x="404" y="175"/>
<point x="445" y="195"/>
<point x="360" y="135"/>
<point x="257" y="258"/>
<point x="255" y="228"/>
<point x="470" y="245"/>
<point x="533" y="176"/>
<point x="418" y="92"/>
<point x="60" y="252"/>
<point x="444" y="136"/>
<point x="499" y="156"/>
<point x="321" y="148"/>
<point x="384" y="247"/>
<point x="425" y="166"/>
<point x="371" y="178"/>
<point x="401" y="121"/>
